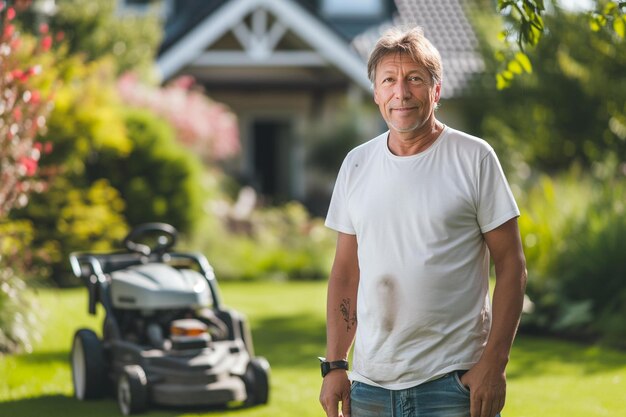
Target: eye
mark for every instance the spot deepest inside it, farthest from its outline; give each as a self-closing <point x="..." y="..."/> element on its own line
<point x="416" y="79"/>
<point x="387" y="80"/>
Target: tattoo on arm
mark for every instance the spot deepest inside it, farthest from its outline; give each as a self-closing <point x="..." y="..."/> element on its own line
<point x="349" y="316"/>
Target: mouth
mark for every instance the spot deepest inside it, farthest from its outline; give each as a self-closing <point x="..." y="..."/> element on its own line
<point x="403" y="109"/>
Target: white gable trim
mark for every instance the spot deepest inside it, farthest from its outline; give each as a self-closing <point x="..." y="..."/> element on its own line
<point x="330" y="47"/>
<point x="283" y="59"/>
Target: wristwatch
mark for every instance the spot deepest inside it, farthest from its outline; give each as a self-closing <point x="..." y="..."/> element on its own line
<point x="329" y="366"/>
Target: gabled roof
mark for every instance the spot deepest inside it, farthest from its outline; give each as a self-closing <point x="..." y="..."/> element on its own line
<point x="257" y="27"/>
<point x="446" y="25"/>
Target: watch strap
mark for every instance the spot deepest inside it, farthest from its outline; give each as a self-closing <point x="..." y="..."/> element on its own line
<point x="327" y="366"/>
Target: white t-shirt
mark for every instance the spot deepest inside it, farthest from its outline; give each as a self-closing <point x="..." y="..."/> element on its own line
<point x="423" y="307"/>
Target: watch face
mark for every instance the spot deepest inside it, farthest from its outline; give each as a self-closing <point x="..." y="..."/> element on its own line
<point x="325" y="368"/>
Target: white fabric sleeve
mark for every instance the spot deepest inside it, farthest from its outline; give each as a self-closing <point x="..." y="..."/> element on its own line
<point x="496" y="204"/>
<point x="338" y="217"/>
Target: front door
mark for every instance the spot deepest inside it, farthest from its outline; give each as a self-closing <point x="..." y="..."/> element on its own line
<point x="271" y="159"/>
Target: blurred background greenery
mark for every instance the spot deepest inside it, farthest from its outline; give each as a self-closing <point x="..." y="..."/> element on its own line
<point x="100" y="153"/>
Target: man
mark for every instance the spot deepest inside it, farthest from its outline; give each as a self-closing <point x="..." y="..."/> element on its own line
<point x="419" y="211"/>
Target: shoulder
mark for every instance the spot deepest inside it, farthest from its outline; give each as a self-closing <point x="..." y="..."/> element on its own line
<point x="368" y="147"/>
<point x="367" y="150"/>
<point x="464" y="142"/>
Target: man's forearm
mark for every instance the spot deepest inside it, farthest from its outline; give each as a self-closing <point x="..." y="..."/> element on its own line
<point x="343" y="284"/>
<point x="341" y="319"/>
<point x="505" y="247"/>
<point x="508" y="299"/>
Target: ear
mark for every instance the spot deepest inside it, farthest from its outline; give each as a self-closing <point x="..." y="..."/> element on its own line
<point x="375" y="96"/>
<point x="437" y="92"/>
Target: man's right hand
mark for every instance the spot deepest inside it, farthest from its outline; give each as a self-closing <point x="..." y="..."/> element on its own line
<point x="335" y="390"/>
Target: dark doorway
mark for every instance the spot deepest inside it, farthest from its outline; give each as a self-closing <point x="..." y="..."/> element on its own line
<point x="271" y="158"/>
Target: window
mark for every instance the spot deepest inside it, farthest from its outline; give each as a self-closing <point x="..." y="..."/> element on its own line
<point x="352" y="8"/>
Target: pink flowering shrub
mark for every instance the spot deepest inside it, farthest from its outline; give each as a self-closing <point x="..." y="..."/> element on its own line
<point x="23" y="112"/>
<point x="208" y="128"/>
<point x="24" y="106"/>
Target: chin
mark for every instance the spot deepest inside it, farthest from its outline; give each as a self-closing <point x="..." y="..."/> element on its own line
<point x="402" y="129"/>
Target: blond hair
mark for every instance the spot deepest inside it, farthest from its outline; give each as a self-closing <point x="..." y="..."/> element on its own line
<point x="411" y="42"/>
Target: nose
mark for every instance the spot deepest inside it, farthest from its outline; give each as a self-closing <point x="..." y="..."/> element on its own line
<point x="401" y="89"/>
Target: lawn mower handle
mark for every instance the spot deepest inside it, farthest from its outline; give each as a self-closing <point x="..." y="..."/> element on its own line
<point x="93" y="280"/>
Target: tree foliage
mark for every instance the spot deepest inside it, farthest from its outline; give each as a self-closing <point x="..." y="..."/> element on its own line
<point x="96" y="29"/>
<point x="524" y="22"/>
<point x="571" y="108"/>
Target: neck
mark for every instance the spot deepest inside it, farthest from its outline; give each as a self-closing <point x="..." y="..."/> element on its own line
<point x="412" y="143"/>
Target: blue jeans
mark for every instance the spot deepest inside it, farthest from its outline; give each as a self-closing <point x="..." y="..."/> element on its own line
<point x="443" y="397"/>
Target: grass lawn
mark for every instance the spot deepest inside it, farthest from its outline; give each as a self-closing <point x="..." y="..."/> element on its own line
<point x="546" y="377"/>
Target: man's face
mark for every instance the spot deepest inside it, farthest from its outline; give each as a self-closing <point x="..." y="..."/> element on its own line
<point x="405" y="93"/>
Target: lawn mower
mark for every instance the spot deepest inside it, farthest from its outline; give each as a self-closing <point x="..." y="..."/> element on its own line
<point x="166" y="338"/>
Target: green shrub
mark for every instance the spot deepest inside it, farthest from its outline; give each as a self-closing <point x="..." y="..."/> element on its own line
<point x="573" y="227"/>
<point x="87" y="118"/>
<point x="548" y="209"/>
<point x="282" y="242"/>
<point x="75" y="212"/>
<point x="113" y="166"/>
<point x="159" y="180"/>
<point x="18" y="328"/>
<point x="591" y="267"/>
<point x="288" y="243"/>
<point x="69" y="218"/>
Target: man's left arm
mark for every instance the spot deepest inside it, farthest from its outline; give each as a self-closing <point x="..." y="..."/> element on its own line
<point x="487" y="379"/>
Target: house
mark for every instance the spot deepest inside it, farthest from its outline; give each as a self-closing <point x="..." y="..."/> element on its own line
<point x="287" y="67"/>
